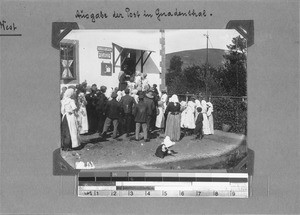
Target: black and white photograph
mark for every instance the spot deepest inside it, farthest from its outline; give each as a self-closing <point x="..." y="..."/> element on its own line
<point x="149" y="107"/>
<point x="153" y="99"/>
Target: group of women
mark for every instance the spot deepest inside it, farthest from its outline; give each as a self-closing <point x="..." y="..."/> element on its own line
<point x="182" y="115"/>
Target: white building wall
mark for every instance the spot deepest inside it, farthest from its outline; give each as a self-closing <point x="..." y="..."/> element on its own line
<point x="90" y="64"/>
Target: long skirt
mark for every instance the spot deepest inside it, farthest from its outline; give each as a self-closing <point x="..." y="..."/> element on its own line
<point x="173" y="127"/>
<point x="83" y="120"/>
<point x="69" y="132"/>
<point x="206" y="128"/>
<point x="160" y="119"/>
<point x="66" y="142"/>
<point x="211" y="123"/>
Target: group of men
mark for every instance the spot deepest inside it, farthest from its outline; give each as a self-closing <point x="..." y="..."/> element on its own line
<point x="126" y="114"/>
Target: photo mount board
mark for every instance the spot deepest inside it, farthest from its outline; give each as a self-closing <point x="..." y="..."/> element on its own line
<point x="277" y="33"/>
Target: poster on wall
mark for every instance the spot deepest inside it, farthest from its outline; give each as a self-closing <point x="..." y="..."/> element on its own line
<point x="104" y="52"/>
<point x="106" y="69"/>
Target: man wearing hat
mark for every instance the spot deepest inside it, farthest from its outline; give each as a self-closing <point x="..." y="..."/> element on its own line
<point x="100" y="107"/>
<point x="91" y="98"/>
<point x="140" y="117"/>
<point x="127" y="102"/>
<point x="113" y="112"/>
<point x="155" y="91"/>
<point x="89" y="107"/>
<point x="151" y="110"/>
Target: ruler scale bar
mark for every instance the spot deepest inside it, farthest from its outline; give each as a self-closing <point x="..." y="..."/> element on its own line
<point x="154" y="184"/>
<point x="165" y="193"/>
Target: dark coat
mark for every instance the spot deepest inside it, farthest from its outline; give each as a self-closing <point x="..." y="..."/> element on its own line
<point x="93" y="98"/>
<point x="127" y="102"/>
<point x="90" y="101"/>
<point x="199" y="123"/>
<point x="151" y="106"/>
<point x="114" y="109"/>
<point x="123" y="83"/>
<point x="101" y="102"/>
<point x="199" y="119"/>
<point x="140" y="112"/>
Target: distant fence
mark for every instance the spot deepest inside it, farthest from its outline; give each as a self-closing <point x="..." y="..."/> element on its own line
<point x="228" y="110"/>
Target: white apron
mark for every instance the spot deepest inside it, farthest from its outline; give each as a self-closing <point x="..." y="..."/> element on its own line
<point x="68" y="107"/>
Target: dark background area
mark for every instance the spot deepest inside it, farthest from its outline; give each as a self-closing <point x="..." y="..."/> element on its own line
<point x="30" y="107"/>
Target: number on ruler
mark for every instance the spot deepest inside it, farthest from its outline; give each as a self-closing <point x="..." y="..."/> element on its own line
<point x="147" y="193"/>
<point x="215" y="193"/>
<point x="113" y="193"/>
<point x="181" y="193"/>
<point x="96" y="193"/>
<point x="130" y="193"/>
<point x="198" y="193"/>
<point x="164" y="193"/>
<point x="88" y="193"/>
<point x="232" y="193"/>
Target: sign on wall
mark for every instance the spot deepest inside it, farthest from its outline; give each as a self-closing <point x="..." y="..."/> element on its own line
<point x="104" y="52"/>
<point x="106" y="69"/>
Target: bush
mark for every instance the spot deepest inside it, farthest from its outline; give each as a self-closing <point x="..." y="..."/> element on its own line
<point x="232" y="112"/>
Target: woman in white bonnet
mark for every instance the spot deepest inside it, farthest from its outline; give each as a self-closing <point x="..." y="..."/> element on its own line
<point x="138" y="79"/>
<point x="145" y="82"/>
<point x="210" y="109"/>
<point x="82" y="114"/>
<point x="173" y="119"/>
<point x="188" y="117"/>
<point x="206" y="128"/>
<point x="135" y="96"/>
<point x="69" y="126"/>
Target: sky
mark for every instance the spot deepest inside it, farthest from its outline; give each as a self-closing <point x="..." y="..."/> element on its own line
<point x="175" y="40"/>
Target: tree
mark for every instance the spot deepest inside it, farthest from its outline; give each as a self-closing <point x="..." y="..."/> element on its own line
<point x="175" y="80"/>
<point x="233" y="75"/>
<point x="192" y="79"/>
<point x="175" y="64"/>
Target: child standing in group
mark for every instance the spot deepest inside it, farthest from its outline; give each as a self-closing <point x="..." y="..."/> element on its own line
<point x="199" y="124"/>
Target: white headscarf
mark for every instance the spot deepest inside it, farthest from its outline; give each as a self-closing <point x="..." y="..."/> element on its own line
<point x="210" y="108"/>
<point x="183" y="103"/>
<point x="174" y="99"/>
<point x="197" y="102"/>
<point x="167" y="142"/>
<point x="68" y="94"/>
<point x="134" y="95"/>
<point x="204" y="106"/>
<point x="191" y="104"/>
<point x="66" y="99"/>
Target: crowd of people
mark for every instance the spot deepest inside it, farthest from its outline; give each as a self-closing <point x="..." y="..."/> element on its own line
<point x="132" y="106"/>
